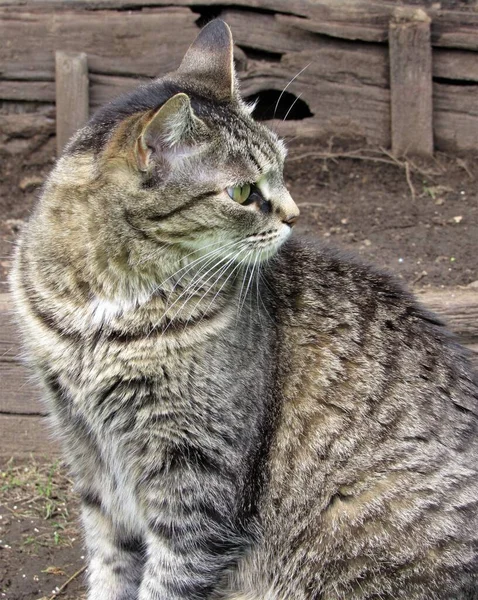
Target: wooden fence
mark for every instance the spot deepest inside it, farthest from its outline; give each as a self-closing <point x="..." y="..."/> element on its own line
<point x="395" y="76"/>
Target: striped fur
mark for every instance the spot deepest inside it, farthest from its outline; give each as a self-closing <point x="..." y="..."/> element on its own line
<point x="246" y="417"/>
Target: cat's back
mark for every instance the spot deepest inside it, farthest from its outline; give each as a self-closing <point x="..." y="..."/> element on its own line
<point x="345" y="322"/>
<point x="377" y="438"/>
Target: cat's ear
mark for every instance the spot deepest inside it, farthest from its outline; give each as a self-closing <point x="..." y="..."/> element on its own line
<point x="173" y="130"/>
<point x="209" y="60"/>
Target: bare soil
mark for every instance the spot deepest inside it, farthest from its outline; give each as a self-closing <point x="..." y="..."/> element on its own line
<point x="40" y="544"/>
<point x="419" y="221"/>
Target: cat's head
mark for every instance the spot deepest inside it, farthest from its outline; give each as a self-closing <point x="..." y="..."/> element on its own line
<point x="186" y="164"/>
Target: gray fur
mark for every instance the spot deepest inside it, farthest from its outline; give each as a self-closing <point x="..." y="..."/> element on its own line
<point x="246" y="417"/>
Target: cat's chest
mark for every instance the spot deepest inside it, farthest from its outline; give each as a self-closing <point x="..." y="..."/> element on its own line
<point x="129" y="387"/>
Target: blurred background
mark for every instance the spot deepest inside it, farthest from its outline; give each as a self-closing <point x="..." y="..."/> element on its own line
<point x="378" y="103"/>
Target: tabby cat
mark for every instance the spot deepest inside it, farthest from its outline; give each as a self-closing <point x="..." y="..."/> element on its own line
<point x="246" y="417"/>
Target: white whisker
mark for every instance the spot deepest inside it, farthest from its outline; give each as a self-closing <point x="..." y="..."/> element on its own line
<point x="193" y="288"/>
<point x="250" y="279"/>
<point x="291" y="107"/>
<point x="290" y="82"/>
<point x="239" y="264"/>
<point x="211" y="256"/>
<point x="241" y="303"/>
<point x="192" y="264"/>
<point x="223" y="270"/>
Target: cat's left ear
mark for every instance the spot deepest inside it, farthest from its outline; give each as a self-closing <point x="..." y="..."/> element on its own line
<point x="172" y="131"/>
<point x="209" y="61"/>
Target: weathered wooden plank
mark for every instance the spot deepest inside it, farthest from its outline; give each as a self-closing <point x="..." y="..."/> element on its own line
<point x="459" y="65"/>
<point x="25" y="125"/>
<point x="18" y="394"/>
<point x="147" y="43"/>
<point x="458" y="307"/>
<point x="353" y="21"/>
<point x="411" y="83"/>
<point x="268" y="33"/>
<point x="72" y="95"/>
<point x="355" y="63"/>
<point x="262" y="32"/>
<point x="365" y="20"/>
<point x="368" y="21"/>
<point x="39" y="91"/>
<point x="455" y="29"/>
<point x="339" y="108"/>
<point x="297" y="7"/>
<point x="104" y="88"/>
<point x="335" y="107"/>
<point x="24" y="435"/>
<point x="455" y="117"/>
<point x="350" y="101"/>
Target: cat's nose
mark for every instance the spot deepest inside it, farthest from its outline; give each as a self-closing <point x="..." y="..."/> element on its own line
<point x="290" y="220"/>
<point x="287" y="209"/>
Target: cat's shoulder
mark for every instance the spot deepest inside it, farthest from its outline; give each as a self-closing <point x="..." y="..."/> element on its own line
<point x="307" y="264"/>
<point x="332" y="282"/>
<point x="339" y="298"/>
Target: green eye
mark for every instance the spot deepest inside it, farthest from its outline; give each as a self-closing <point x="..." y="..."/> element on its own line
<point x="239" y="193"/>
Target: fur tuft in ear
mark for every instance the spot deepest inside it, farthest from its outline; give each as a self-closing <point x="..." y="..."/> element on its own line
<point x="209" y="60"/>
<point x="172" y="129"/>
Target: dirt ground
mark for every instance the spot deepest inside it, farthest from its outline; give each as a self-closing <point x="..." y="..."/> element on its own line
<point x="40" y="544"/>
<point x="418" y="220"/>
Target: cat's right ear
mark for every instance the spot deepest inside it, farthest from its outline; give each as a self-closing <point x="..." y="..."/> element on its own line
<point x="173" y="131"/>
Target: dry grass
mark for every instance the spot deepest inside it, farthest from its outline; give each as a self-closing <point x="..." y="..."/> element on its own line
<point x="33" y="490"/>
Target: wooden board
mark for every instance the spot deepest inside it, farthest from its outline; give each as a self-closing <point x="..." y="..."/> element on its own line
<point x="104" y="88"/>
<point x="268" y="32"/>
<point x="458" y="307"/>
<point x="455" y="117"/>
<point x="461" y="65"/>
<point x="455" y="29"/>
<point x="34" y="91"/>
<point x="141" y="43"/>
<point x="127" y="47"/>
<point x="368" y="21"/>
<point x="25" y="435"/>
<point x="365" y="20"/>
<point x="20" y="132"/>
<point x="18" y="393"/>
<point x="72" y="95"/>
<point x="411" y="84"/>
<point x="354" y="21"/>
<point x="297" y="7"/>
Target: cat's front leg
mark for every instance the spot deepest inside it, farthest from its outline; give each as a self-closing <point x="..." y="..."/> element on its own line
<point x="115" y="557"/>
<point x="193" y="533"/>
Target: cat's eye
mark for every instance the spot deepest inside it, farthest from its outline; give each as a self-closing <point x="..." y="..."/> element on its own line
<point x="239" y="193"/>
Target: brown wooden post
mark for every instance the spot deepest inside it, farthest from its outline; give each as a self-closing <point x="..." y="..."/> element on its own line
<point x="411" y="83"/>
<point x="71" y="95"/>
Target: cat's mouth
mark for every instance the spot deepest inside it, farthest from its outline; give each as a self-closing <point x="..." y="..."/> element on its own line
<point x="266" y="243"/>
